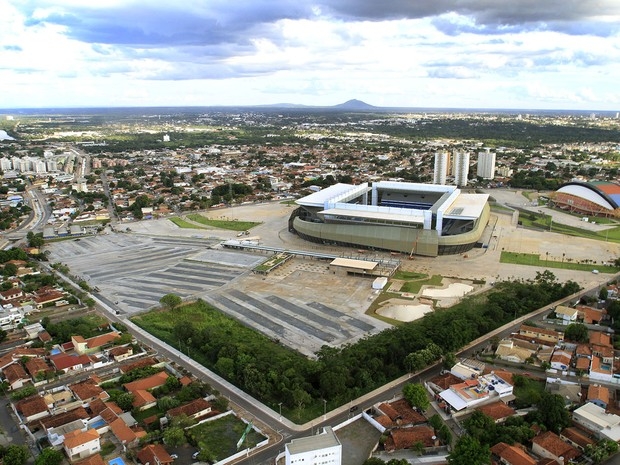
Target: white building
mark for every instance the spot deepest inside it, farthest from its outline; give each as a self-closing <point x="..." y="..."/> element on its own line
<point x="442" y="167"/>
<point x="322" y="449"/>
<point x="474" y="392"/>
<point x="486" y="165"/>
<point x="461" y="168"/>
<point x="595" y="418"/>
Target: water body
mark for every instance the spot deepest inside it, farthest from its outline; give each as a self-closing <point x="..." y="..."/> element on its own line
<point x="5" y="136"/>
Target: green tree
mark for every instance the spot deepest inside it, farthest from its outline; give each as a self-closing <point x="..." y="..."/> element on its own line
<point x="468" y="451"/>
<point x="552" y="412"/>
<point x="170" y="301"/>
<point x="449" y="360"/>
<point x="125" y="401"/>
<point x="416" y="395"/>
<point x="49" y="456"/>
<point x="603" y="293"/>
<point x="577" y="332"/>
<point x="15" y="455"/>
<point x="174" y="436"/>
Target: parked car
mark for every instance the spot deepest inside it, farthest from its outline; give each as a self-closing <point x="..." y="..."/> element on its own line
<point x="195" y="455"/>
<point x="174" y="456"/>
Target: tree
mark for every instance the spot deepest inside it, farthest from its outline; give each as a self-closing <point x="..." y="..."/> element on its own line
<point x="552" y="412"/>
<point x="170" y="301"/>
<point x="49" y="456"/>
<point x="468" y="451"/>
<point x="416" y="395"/>
<point x="603" y="293"/>
<point x="125" y="401"/>
<point x="174" y="436"/>
<point x="3" y="335"/>
<point x="449" y="360"/>
<point x="577" y="332"/>
<point x="15" y="455"/>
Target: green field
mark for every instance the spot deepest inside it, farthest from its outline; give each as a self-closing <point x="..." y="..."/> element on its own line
<point x="567" y="264"/>
<point x="181" y="223"/>
<point x="223" y="224"/>
<point x="542" y="221"/>
<point x="217" y="439"/>
<point x="413" y="287"/>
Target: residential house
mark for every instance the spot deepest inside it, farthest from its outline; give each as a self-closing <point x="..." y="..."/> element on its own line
<point x="93" y="344"/>
<point x="154" y="454"/>
<point x="64" y="418"/>
<point x="47" y="295"/>
<point x="87" y="391"/>
<point x="32" y="408"/>
<point x="511" y="350"/>
<point x="599" y="370"/>
<point x="598" y="395"/>
<point x="498" y="411"/>
<point x="512" y="455"/>
<point x="604" y="425"/>
<point x="120" y="353"/>
<point x="591" y="316"/>
<point x="56" y="435"/>
<point x="577" y="438"/>
<point x="567" y="315"/>
<point x="67" y="363"/>
<point x="194" y="409"/>
<point x="15" y="376"/>
<point x="561" y="358"/>
<point x="96" y="459"/>
<point x="143" y="399"/>
<point x="124" y="433"/>
<point x="570" y="392"/>
<point x="38" y="368"/>
<point x="549" y="445"/>
<point x="406" y="438"/>
<point x="80" y="444"/>
<point x="474" y="392"/>
<point x="151" y="382"/>
<point x="468" y="369"/>
<point x="543" y="335"/>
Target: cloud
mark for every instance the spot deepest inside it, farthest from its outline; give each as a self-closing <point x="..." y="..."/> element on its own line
<point x="12" y="48"/>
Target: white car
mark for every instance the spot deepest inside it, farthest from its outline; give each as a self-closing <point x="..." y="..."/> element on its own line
<point x="195" y="455"/>
<point x="174" y="456"/>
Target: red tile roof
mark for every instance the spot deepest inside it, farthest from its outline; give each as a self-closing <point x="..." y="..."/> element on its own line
<point x="64" y="361"/>
<point x="31" y="406"/>
<point x="87" y="389"/>
<point x="154" y="453"/>
<point x="552" y="443"/>
<point x="497" y="410"/>
<point x="512" y="454"/>
<point x="189" y="409"/>
<point x="153" y="381"/>
<point x="15" y="372"/>
<point x="404" y="438"/>
<point x="77" y="438"/>
<point x="63" y="418"/>
<point x="92" y="460"/>
<point x="122" y="432"/>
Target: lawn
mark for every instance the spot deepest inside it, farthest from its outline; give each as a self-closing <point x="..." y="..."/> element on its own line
<point x="568" y="264"/>
<point x="223" y="224"/>
<point x="406" y="275"/>
<point x="542" y="221"/>
<point x="181" y="223"/>
<point x="218" y="438"/>
<point x="413" y="287"/>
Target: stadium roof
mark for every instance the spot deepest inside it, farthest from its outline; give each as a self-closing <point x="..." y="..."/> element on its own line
<point x="602" y="193"/>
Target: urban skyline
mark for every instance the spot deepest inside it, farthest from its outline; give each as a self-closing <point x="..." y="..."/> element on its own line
<point x="440" y="54"/>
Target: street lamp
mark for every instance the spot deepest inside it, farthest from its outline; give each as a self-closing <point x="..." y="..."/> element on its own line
<point x="324" y="409"/>
<point x="280" y="405"/>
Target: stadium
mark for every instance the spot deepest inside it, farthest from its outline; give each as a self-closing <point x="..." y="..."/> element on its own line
<point x="599" y="198"/>
<point x="417" y="219"/>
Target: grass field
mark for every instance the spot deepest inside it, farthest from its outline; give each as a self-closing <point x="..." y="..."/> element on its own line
<point x="219" y="437"/>
<point x="414" y="287"/>
<point x="223" y="224"/>
<point x="543" y="222"/>
<point x="568" y="264"/>
<point x="181" y="223"/>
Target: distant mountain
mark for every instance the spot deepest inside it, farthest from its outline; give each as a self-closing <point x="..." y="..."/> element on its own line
<point x="354" y="104"/>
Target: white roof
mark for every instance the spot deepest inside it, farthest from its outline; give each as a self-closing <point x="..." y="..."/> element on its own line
<point x="401" y="215"/>
<point x="467" y="206"/>
<point x="319" y="198"/>
<point x="326" y="439"/>
<point x="455" y="401"/>
<point x="351" y="263"/>
<point x="609" y="423"/>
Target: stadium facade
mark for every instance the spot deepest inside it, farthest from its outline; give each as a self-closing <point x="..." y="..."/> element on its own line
<point x="417" y="219"/>
<point x="598" y="198"/>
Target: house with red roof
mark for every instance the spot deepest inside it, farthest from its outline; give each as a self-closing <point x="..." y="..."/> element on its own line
<point x="195" y="409"/>
<point x="512" y="455"/>
<point x="66" y="362"/>
<point x="32" y="408"/>
<point x="550" y="445"/>
<point x="151" y="382"/>
<point x="93" y="344"/>
<point x="15" y="376"/>
<point x="405" y="438"/>
<point x="154" y="454"/>
<point x="80" y="444"/>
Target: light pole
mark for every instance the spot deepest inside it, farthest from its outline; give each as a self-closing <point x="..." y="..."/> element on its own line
<point x="324" y="409"/>
<point x="280" y="405"/>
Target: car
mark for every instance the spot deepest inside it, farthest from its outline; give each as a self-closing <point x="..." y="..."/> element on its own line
<point x="195" y="455"/>
<point x="354" y="408"/>
<point x="174" y="456"/>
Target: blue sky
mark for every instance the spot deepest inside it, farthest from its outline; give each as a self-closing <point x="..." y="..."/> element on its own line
<point x="525" y="54"/>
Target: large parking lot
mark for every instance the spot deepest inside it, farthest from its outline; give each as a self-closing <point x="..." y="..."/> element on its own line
<point x="302" y="304"/>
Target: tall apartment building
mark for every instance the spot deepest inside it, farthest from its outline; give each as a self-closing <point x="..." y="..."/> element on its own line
<point x="442" y="167"/>
<point x="486" y="164"/>
<point x="461" y="168"/>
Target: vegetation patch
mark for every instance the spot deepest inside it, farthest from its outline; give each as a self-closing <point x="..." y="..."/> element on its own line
<point x="568" y="263"/>
<point x="275" y="374"/>
<point x="544" y="222"/>
<point x="413" y="287"/>
<point x="218" y="439"/>
<point x="233" y="225"/>
<point x="181" y="223"/>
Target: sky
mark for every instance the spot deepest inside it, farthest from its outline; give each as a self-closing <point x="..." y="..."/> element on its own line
<point x="504" y="54"/>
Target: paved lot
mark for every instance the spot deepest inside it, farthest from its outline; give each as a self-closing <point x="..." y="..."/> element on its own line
<point x="302" y="304"/>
